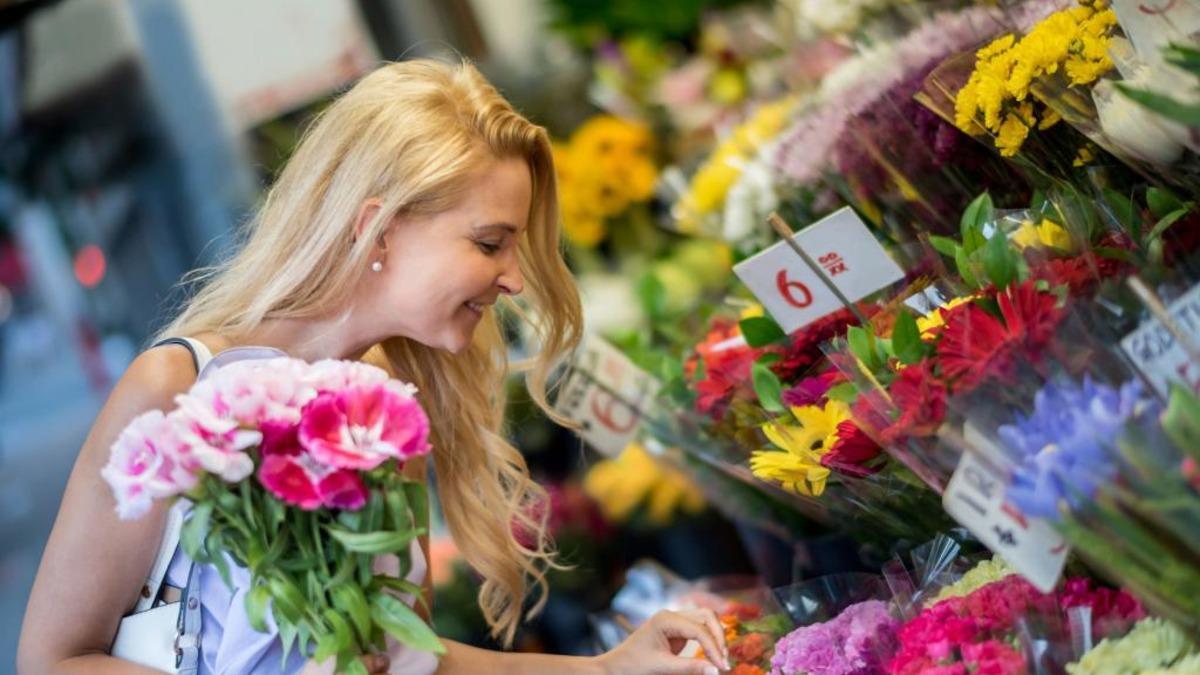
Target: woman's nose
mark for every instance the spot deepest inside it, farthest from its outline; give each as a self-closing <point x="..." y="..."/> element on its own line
<point x="511" y="281"/>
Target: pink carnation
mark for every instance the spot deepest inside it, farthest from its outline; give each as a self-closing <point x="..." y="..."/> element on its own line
<point x="215" y="443"/>
<point x="257" y="391"/>
<point x="334" y="375"/>
<point x="291" y="474"/>
<point x="363" y="426"/>
<point x="147" y="462"/>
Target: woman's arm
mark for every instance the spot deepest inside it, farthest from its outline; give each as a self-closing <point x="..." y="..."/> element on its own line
<point x="94" y="564"/>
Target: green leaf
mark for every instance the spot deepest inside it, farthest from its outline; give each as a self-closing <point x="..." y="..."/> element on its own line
<point x="1163" y="202"/>
<point x="287" y="635"/>
<point x="845" y="392"/>
<point x="256" y="607"/>
<point x="761" y="331"/>
<point x="767" y="386"/>
<point x="1184" y="113"/>
<point x="399" y="585"/>
<point x="1124" y="211"/>
<point x="418" y="501"/>
<point x="1160" y="228"/>
<point x="195" y="530"/>
<point x="355" y="667"/>
<point x="978" y="213"/>
<point x="375" y="543"/>
<point x="1038" y="203"/>
<point x="999" y="261"/>
<point x="653" y="295"/>
<point x="906" y="339"/>
<point x="399" y="517"/>
<point x="351" y="601"/>
<point x="944" y="245"/>
<point x="1184" y="56"/>
<point x="402" y="623"/>
<point x="342" y="635"/>
<point x="963" y="262"/>
<point x="862" y="345"/>
<point x="287" y="598"/>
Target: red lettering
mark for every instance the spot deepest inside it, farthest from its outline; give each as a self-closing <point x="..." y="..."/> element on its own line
<point x="795" y="293"/>
<point x="612" y="414"/>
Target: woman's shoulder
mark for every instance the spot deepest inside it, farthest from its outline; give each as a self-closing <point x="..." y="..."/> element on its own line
<point x="155" y="377"/>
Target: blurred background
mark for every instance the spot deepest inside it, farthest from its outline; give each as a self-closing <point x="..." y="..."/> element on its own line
<point x="135" y="136"/>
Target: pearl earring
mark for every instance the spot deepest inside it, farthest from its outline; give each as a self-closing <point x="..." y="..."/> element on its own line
<point x="377" y="266"/>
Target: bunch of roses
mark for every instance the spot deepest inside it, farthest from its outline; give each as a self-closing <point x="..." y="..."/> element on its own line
<point x="855" y="642"/>
<point x="317" y="428"/>
<point x="975" y="633"/>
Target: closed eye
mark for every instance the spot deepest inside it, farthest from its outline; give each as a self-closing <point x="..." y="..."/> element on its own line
<point x="488" y="247"/>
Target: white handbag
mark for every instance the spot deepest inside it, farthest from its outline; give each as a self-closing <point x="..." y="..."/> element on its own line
<point x="166" y="636"/>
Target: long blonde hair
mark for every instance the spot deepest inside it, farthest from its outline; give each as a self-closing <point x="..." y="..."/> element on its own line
<point x="409" y="133"/>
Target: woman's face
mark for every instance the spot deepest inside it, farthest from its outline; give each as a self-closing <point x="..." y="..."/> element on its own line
<point x="442" y="272"/>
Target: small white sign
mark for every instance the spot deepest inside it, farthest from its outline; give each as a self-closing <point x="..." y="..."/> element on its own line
<point x="975" y="499"/>
<point x="845" y="249"/>
<point x="607" y="395"/>
<point x="1159" y="355"/>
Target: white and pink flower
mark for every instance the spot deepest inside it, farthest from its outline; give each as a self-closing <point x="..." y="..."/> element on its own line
<point x="147" y="462"/>
<point x="363" y="426"/>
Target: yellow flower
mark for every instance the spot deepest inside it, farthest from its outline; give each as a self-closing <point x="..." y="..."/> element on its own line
<point x="1012" y="134"/>
<point x="936" y="319"/>
<point x="753" y="310"/>
<point x="797" y="464"/>
<point x="1046" y="234"/>
<point x="1049" y="118"/>
<point x="634" y="479"/>
<point x="993" y="569"/>
<point x="1083" y="71"/>
<point x="1084" y="156"/>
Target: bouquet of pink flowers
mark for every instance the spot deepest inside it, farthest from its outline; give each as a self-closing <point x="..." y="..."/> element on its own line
<point x="294" y="472"/>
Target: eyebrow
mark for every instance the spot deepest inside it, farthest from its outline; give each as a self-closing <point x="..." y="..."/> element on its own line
<point x="508" y="227"/>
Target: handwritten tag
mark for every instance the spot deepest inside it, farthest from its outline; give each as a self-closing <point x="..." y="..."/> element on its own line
<point x="974" y="497"/>
<point x="1158" y="354"/>
<point x="607" y="395"/>
<point x="842" y="246"/>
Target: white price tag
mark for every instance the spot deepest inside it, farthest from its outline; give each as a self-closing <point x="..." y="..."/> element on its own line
<point x="607" y="394"/>
<point x="1158" y="354"/>
<point x="844" y="248"/>
<point x="975" y="499"/>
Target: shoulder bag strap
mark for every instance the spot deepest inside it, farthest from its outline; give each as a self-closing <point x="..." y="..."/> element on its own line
<point x="170" y="539"/>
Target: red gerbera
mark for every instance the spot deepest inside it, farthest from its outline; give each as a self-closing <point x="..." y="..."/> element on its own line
<point x="852" y="450"/>
<point x="976" y="345"/>
<point x="727" y="361"/>
<point x="920" y="397"/>
<point x="804" y="345"/>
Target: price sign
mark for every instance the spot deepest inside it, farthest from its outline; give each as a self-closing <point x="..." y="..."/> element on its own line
<point x="974" y="497"/>
<point x="1159" y="355"/>
<point x="844" y="249"/>
<point x="607" y="395"/>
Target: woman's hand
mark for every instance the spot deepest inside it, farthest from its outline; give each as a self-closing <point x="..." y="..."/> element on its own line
<point x="653" y="649"/>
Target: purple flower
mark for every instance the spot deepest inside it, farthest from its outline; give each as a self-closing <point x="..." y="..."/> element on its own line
<point x="1064" y="444"/>
<point x="859" y="641"/>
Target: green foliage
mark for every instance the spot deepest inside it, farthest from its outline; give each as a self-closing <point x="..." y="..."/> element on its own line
<point x="761" y="331"/>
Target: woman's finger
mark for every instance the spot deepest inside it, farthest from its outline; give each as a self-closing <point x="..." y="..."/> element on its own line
<point x="680" y="626"/>
<point x="710" y="621"/>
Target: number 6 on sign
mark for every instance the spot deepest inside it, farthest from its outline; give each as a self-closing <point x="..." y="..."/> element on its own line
<point x="786" y="287"/>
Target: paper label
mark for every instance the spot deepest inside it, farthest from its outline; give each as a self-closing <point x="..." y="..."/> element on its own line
<point x="1159" y="355"/>
<point x="975" y="499"/>
<point x="607" y="395"/>
<point x="842" y="246"/>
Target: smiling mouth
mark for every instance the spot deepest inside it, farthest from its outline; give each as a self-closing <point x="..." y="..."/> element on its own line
<point x="475" y="307"/>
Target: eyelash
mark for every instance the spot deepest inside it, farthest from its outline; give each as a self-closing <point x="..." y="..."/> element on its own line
<point x="487" y="248"/>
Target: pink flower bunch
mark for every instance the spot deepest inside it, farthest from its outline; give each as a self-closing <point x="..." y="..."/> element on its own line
<point x="1114" y="611"/>
<point x="974" y="633"/>
<point x="856" y="642"/>
<point x="317" y="427"/>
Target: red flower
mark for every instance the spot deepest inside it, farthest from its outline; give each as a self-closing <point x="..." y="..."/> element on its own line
<point x="920" y="397"/>
<point x="852" y="450"/>
<point x="975" y="345"/>
<point x="812" y="390"/>
<point x="727" y="361"/>
<point x="804" y="345"/>
<point x="290" y="473"/>
<point x="749" y="648"/>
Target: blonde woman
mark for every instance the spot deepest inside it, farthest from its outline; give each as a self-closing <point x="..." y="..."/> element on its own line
<point x="418" y="200"/>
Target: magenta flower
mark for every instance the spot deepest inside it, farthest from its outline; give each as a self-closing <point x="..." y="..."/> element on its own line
<point x="147" y="462"/>
<point x="292" y="475"/>
<point x="363" y="426"/>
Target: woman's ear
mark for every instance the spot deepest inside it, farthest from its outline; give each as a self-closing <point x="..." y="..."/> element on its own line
<point x="366" y="213"/>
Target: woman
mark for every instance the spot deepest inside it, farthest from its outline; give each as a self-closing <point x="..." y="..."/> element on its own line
<point x="418" y="200"/>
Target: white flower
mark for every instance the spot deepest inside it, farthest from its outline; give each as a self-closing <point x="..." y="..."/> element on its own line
<point x="1133" y="128"/>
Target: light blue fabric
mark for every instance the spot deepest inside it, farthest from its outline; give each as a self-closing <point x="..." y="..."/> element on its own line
<point x="228" y="644"/>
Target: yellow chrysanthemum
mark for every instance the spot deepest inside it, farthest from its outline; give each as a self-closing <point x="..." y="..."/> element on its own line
<point x="1012" y="133"/>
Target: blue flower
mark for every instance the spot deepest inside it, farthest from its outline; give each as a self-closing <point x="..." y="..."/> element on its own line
<point x="1064" y="445"/>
